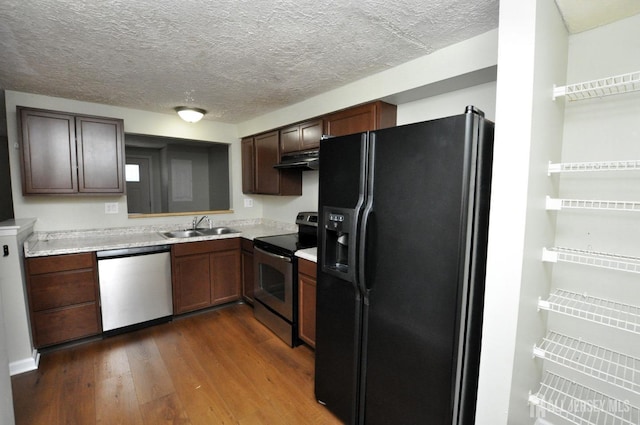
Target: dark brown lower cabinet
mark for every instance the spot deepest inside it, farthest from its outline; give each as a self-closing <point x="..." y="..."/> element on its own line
<point x="247" y="270"/>
<point x="205" y="274"/>
<point x="63" y="298"/>
<point x="307" y="301"/>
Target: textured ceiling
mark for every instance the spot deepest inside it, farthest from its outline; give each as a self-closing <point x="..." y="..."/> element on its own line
<point x="237" y="59"/>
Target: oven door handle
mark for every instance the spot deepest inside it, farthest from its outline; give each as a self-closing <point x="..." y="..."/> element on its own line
<point x="270" y="254"/>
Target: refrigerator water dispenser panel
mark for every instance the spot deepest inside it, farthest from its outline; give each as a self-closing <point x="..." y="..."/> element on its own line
<point x="337" y="228"/>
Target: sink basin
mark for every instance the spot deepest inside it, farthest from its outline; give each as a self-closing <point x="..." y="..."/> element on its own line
<point x="181" y="234"/>
<point x="217" y="231"/>
<point x="199" y="232"/>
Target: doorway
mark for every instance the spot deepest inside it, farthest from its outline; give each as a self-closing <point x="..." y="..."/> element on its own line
<point x="138" y="176"/>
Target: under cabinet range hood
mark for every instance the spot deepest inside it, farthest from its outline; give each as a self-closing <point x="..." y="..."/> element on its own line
<point x="304" y="160"/>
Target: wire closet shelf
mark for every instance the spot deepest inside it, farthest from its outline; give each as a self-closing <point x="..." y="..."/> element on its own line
<point x="599" y="362"/>
<point x="582" y="405"/>
<point x="602" y="260"/>
<point x="611" y="313"/>
<point x="593" y="166"/>
<point x="553" y="204"/>
<point x="619" y="84"/>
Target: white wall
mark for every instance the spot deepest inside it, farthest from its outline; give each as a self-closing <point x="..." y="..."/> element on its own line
<point x="6" y="395"/>
<point x="482" y="96"/>
<point x="531" y="58"/>
<point x="14" y="298"/>
<point x="66" y="212"/>
<point x="534" y="53"/>
<point x="461" y="61"/>
<point x="601" y="129"/>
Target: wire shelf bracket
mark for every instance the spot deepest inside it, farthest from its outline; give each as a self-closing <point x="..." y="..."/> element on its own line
<point x="591" y="258"/>
<point x="599" y="362"/>
<point x="581" y="405"/>
<point x="610" y="313"/>
<point x="593" y="166"/>
<point x="619" y="84"/>
<point x="554" y="204"/>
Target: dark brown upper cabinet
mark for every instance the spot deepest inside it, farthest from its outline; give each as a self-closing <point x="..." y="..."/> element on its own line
<point x="248" y="165"/>
<point x="259" y="154"/>
<point x="367" y="117"/>
<point x="301" y="137"/>
<point x="70" y="154"/>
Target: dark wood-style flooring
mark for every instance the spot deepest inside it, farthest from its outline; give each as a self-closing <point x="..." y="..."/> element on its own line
<point x="218" y="367"/>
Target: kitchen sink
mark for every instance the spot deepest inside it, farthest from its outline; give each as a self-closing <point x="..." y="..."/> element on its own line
<point x="190" y="233"/>
<point x="217" y="231"/>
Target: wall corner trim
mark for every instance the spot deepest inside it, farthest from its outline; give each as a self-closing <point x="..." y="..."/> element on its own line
<point x="25" y="365"/>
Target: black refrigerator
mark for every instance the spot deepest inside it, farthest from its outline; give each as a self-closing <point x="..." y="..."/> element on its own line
<point x="401" y="263"/>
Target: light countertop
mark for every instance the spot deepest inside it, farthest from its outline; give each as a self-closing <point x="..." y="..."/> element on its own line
<point x="310" y="254"/>
<point x="70" y="242"/>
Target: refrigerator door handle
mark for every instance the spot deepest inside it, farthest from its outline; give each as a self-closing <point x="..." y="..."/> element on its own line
<point x="367" y="210"/>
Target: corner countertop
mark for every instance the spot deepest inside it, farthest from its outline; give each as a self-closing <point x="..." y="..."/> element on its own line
<point x="41" y="244"/>
<point x="14" y="227"/>
<point x="310" y="254"/>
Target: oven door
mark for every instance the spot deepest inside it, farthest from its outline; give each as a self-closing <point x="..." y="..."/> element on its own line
<point x="273" y="278"/>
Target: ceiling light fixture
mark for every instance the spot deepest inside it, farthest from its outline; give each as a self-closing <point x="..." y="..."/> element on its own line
<point x="190" y="114"/>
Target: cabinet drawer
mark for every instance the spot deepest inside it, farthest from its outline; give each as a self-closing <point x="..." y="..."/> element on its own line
<point x="57" y="326"/>
<point x="62" y="289"/>
<point x="59" y="263"/>
<point x="307" y="267"/>
<point x="189" y="248"/>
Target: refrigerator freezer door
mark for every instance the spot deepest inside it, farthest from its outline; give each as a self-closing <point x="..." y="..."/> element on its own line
<point x="339" y="305"/>
<point x="416" y="249"/>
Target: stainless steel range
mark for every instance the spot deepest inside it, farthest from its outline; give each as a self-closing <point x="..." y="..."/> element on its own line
<point x="276" y="271"/>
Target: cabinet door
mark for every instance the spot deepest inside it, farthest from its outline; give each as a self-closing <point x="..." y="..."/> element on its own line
<point x="372" y="116"/>
<point x="100" y="147"/>
<point x="290" y="139"/>
<point x="267" y="155"/>
<point x="48" y="152"/>
<point x="225" y="278"/>
<point x="248" y="165"/>
<point x="301" y="137"/>
<point x="247" y="270"/>
<point x="310" y="134"/>
<point x="191" y="283"/>
<point x="307" y="302"/>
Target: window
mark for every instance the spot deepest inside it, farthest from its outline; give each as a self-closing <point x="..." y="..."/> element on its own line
<point x="132" y="172"/>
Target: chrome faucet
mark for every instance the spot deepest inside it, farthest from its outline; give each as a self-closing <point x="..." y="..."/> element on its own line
<point x="196" y="222"/>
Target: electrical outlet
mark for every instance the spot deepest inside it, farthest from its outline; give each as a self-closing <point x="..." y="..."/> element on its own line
<point x="248" y="203"/>
<point x="111" y="208"/>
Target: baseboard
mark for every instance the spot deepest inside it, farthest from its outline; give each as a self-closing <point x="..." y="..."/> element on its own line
<point x="25" y="365"/>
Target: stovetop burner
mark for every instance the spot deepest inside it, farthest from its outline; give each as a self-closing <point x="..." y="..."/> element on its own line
<point x="288" y="244"/>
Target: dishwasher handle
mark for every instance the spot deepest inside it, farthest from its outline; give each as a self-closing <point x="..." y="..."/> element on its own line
<point x="131" y="252"/>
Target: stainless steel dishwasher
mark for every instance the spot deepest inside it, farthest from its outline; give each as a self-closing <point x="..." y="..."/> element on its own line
<point x="135" y="286"/>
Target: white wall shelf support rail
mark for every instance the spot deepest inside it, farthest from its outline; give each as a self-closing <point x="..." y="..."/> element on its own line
<point x="578" y="167"/>
<point x="624" y="83"/>
<point x="599" y="362"/>
<point x="591" y="258"/>
<point x="591" y="309"/>
<point x="582" y="405"/>
<point x="554" y="204"/>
